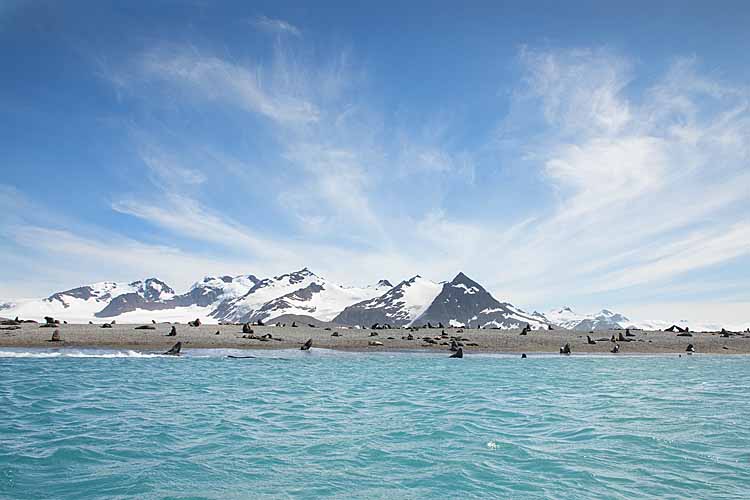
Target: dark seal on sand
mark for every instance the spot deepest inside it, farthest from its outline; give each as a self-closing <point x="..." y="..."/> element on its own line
<point x="172" y="332"/>
<point x="306" y="346"/>
<point x="55" y="336"/>
<point x="565" y="349"/>
<point x="589" y="341"/>
<point x="175" y="350"/>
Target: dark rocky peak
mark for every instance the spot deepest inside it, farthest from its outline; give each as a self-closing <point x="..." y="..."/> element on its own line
<point x="305" y="293"/>
<point x="462" y="279"/>
<point x="384" y="283"/>
<point x="82" y="292"/>
<point x="295" y="277"/>
<point x="158" y="284"/>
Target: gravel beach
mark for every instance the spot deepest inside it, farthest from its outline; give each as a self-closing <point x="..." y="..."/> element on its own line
<point x="126" y="336"/>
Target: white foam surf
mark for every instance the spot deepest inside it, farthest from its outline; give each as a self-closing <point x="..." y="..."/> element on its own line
<point x="75" y="354"/>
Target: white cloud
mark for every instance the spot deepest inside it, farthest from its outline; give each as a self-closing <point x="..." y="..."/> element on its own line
<point x="71" y="259"/>
<point x="184" y="216"/>
<point x="649" y="184"/>
<point x="278" y="26"/>
<point x="580" y="90"/>
<point x="218" y="80"/>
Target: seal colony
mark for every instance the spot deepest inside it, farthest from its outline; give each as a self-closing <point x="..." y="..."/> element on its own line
<point x="162" y="336"/>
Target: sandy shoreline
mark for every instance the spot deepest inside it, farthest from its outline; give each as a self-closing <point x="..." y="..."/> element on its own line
<point x="493" y="341"/>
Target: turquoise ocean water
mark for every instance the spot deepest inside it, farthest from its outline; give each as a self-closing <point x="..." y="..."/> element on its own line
<point x="96" y="424"/>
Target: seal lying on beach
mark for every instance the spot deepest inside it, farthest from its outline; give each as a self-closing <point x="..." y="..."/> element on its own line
<point x="615" y="349"/>
<point x="306" y="346"/>
<point x="55" y="336"/>
<point x="690" y="349"/>
<point x="175" y="350"/>
<point x="458" y="354"/>
<point x="565" y="349"/>
<point x="589" y="341"/>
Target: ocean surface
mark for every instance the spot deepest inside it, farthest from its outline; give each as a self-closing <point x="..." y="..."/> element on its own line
<point x="289" y="424"/>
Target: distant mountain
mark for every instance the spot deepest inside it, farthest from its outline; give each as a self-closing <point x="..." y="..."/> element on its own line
<point x="399" y="306"/>
<point x="202" y="294"/>
<point x="213" y="299"/>
<point x="464" y="302"/>
<point x="311" y="298"/>
<point x="603" y="320"/>
<point x="83" y="303"/>
<point x="299" y="293"/>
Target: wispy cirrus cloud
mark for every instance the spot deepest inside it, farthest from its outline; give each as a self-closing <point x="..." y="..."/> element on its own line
<point x="637" y="181"/>
<point x="648" y="180"/>
<point x="214" y="79"/>
<point x="277" y="26"/>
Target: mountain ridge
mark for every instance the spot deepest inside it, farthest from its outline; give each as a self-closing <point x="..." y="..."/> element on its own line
<point x="247" y="298"/>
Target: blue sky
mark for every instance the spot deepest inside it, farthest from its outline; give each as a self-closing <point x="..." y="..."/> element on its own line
<point x="591" y="155"/>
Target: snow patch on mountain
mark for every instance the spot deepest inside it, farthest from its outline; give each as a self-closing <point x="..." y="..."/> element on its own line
<point x="298" y="293"/>
<point x="399" y="306"/>
<point x="464" y="302"/>
<point x="605" y="319"/>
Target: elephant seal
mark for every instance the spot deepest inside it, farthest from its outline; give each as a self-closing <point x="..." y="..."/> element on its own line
<point x="175" y="350"/>
<point x="306" y="346"/>
<point x="458" y="354"/>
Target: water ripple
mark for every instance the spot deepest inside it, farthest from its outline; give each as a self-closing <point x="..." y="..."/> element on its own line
<point x="290" y="425"/>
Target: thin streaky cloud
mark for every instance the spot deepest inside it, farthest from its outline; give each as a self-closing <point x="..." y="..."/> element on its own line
<point x="276" y="26"/>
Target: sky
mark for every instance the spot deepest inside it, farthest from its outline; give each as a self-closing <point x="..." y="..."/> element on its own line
<point x="583" y="154"/>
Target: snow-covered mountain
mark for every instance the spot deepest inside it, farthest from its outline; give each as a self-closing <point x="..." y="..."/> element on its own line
<point x="464" y="302"/>
<point x="212" y="299"/>
<point x="399" y="306"/>
<point x="303" y="294"/>
<point x="565" y="317"/>
<point x="85" y="302"/>
<point x="298" y="293"/>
